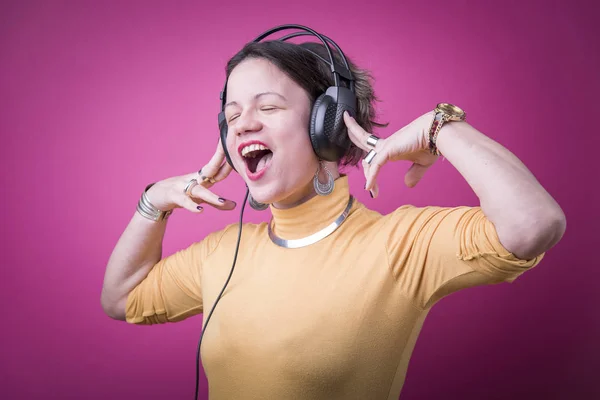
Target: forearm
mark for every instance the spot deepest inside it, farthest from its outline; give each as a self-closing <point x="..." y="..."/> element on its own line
<point x="528" y="220"/>
<point x="139" y="248"/>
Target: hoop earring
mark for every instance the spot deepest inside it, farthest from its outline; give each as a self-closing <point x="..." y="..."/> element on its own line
<point x="323" y="189"/>
<point x="256" y="205"/>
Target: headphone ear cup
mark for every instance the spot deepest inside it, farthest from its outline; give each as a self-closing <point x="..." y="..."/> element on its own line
<point x="325" y="120"/>
<point x="223" y="133"/>
<point x="316" y="129"/>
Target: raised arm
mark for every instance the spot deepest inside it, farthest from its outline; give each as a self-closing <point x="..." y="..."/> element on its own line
<point x="139" y="248"/>
<point x="527" y="219"/>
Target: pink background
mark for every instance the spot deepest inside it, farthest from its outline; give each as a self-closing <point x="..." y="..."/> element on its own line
<point x="101" y="98"/>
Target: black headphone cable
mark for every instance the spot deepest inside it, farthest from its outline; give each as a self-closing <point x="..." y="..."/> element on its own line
<point x="237" y="247"/>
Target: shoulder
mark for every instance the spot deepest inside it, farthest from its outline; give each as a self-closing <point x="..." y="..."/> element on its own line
<point x="371" y="222"/>
<point x="410" y="213"/>
<point x="228" y="235"/>
<point x="409" y="217"/>
<point x="361" y="213"/>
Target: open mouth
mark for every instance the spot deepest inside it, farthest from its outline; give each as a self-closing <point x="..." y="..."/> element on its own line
<point x="257" y="157"/>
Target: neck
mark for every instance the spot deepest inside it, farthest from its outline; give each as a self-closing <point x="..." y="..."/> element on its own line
<point x="312" y="215"/>
<point x="307" y="191"/>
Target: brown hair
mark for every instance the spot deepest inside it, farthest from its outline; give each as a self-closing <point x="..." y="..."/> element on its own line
<point x="299" y="65"/>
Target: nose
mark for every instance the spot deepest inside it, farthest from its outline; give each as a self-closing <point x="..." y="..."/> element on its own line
<point x="247" y="123"/>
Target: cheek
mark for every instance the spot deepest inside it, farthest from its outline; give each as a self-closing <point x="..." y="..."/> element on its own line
<point x="294" y="133"/>
<point x="296" y="142"/>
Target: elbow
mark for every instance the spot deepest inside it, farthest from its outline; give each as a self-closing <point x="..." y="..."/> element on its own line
<point x="539" y="236"/>
<point x="115" y="310"/>
<point x="553" y="230"/>
<point x="560" y="227"/>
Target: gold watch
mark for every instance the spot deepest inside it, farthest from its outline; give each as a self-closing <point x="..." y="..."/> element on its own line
<point x="444" y="112"/>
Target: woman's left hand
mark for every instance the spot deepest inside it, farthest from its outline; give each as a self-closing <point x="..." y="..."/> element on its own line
<point x="410" y="143"/>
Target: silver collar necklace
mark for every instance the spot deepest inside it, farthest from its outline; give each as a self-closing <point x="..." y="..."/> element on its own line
<point x="315" y="237"/>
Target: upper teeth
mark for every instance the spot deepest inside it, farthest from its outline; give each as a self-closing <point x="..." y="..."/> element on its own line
<point x="251" y="148"/>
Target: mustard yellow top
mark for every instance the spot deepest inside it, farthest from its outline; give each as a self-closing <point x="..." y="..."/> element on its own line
<point x="335" y="320"/>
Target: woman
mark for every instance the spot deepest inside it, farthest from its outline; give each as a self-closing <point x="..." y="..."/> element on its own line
<point x="337" y="315"/>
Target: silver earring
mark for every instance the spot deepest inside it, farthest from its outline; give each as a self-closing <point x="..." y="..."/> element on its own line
<point x="323" y="189"/>
<point x="256" y="205"/>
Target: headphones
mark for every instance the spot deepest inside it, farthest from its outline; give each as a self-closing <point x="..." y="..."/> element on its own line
<point x="326" y="121"/>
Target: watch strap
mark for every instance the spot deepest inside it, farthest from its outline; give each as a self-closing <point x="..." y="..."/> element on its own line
<point x="438" y="121"/>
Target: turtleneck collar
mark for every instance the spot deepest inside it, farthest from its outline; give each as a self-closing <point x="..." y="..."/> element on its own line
<point x="312" y="215"/>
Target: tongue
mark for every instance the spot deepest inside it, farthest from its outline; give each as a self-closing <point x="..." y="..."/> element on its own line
<point x="263" y="161"/>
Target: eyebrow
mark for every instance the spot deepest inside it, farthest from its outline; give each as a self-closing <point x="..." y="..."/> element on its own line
<point x="233" y="103"/>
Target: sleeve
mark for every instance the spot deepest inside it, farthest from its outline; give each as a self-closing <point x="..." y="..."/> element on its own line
<point x="435" y="251"/>
<point x="172" y="289"/>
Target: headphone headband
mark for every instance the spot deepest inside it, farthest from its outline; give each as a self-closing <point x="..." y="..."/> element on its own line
<point x="346" y="73"/>
<point x="342" y="70"/>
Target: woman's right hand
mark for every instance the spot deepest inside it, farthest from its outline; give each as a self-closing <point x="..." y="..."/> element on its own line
<point x="169" y="193"/>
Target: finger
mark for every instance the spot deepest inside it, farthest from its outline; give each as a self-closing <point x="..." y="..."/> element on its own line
<point x="414" y="174"/>
<point x="212" y="167"/>
<point x="375" y="190"/>
<point x="372" y="187"/>
<point x="366" y="167"/>
<point x="373" y="172"/>
<point x="356" y="133"/>
<point x="190" y="205"/>
<point x="224" y="171"/>
<point x="201" y="194"/>
<point x="219" y="151"/>
<point x="378" y="161"/>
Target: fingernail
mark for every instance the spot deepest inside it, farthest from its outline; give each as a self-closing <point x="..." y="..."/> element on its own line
<point x="346" y="114"/>
<point x="222" y="200"/>
<point x="365" y="186"/>
<point x="200" y="208"/>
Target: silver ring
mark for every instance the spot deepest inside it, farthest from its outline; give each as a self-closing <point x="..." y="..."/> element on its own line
<point x="370" y="156"/>
<point x="190" y="185"/>
<point x="372" y="140"/>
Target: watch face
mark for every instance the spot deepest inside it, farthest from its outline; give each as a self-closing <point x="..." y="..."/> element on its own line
<point x="451" y="110"/>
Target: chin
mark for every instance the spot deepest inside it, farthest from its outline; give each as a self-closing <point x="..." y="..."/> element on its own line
<point x="277" y="191"/>
<point x="262" y="194"/>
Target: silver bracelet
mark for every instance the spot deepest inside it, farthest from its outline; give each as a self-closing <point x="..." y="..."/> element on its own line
<point x="147" y="210"/>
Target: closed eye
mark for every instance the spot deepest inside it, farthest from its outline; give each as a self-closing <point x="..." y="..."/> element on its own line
<point x="262" y="109"/>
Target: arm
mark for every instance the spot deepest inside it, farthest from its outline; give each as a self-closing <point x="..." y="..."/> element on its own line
<point x="136" y="252"/>
<point x="527" y="219"/>
<point x="140" y="247"/>
<point x="137" y="257"/>
<point x="435" y="251"/>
